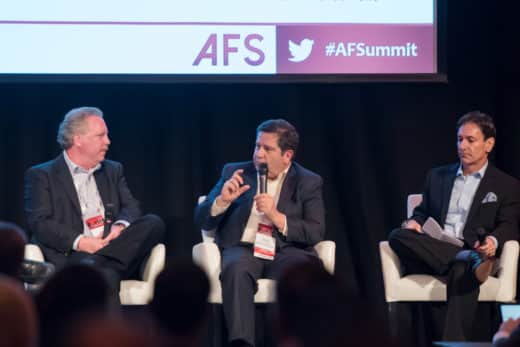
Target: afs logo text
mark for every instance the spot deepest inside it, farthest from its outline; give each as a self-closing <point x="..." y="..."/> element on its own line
<point x="230" y="44"/>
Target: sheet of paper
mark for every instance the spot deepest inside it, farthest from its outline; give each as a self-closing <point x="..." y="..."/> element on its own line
<point x="432" y="228"/>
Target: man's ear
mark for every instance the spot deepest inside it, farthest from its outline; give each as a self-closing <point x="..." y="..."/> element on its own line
<point x="76" y="140"/>
<point x="489" y="143"/>
<point x="288" y="155"/>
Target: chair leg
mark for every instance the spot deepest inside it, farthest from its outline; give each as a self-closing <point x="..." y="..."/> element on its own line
<point x="393" y="320"/>
<point x="216" y="333"/>
<point x="401" y="323"/>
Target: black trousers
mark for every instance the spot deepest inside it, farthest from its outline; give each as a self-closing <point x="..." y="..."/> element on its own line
<point x="420" y="253"/>
<point x="123" y="256"/>
<point x="240" y="272"/>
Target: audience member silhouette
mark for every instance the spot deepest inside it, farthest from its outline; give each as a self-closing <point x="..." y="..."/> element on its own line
<point x="108" y="331"/>
<point x="73" y="292"/>
<point x="12" y="262"/>
<point x="180" y="303"/>
<point x="12" y="248"/>
<point x="18" y="322"/>
<point x="508" y="335"/>
<point x="315" y="308"/>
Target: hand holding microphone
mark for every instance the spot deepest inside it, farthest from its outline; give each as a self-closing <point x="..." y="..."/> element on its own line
<point x="109" y="219"/>
<point x="111" y="231"/>
<point x="264" y="202"/>
<point x="485" y="245"/>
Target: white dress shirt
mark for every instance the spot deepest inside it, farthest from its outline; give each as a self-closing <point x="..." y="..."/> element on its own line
<point x="274" y="187"/>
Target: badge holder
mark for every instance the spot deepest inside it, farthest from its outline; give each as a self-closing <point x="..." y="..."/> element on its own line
<point x="265" y="243"/>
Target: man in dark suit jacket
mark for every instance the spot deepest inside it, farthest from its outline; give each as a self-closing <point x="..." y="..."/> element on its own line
<point x="291" y="213"/>
<point x="466" y="199"/>
<point x="67" y="199"/>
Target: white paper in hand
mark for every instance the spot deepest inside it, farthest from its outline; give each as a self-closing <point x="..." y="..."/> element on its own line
<point x="432" y="228"/>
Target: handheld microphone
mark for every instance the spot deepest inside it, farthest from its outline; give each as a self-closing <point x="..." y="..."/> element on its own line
<point x="481" y="235"/>
<point x="109" y="218"/>
<point x="262" y="174"/>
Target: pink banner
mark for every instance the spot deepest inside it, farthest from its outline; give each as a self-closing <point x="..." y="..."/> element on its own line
<point x="356" y="48"/>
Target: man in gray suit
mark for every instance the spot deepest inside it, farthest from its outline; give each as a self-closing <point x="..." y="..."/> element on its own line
<point x="261" y="234"/>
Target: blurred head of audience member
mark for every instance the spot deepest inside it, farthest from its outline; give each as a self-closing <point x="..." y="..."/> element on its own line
<point x="180" y="302"/>
<point x="508" y="334"/>
<point x="12" y="248"/>
<point x="97" y="330"/>
<point x="316" y="308"/>
<point x="73" y="292"/>
<point x="18" y="322"/>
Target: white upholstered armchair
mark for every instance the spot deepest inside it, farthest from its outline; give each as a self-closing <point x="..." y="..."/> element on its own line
<point x="132" y="292"/>
<point x="500" y="287"/>
<point x="207" y="255"/>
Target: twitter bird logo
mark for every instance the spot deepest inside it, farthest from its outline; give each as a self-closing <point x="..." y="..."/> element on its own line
<point x="300" y="52"/>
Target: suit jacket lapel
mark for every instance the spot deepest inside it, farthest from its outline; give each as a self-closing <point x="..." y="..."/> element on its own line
<point x="249" y="176"/>
<point x="447" y="186"/>
<point x="482" y="190"/>
<point x="63" y="174"/>
<point x="103" y="185"/>
<point x="288" y="189"/>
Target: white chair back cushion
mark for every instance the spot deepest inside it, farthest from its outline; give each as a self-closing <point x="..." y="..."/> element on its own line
<point x="207" y="235"/>
<point x="413" y="201"/>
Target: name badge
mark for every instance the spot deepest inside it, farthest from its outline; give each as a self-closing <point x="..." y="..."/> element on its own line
<point x="265" y="243"/>
<point x="96" y="225"/>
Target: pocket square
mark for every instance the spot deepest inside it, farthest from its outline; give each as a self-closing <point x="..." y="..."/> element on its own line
<point x="490" y="197"/>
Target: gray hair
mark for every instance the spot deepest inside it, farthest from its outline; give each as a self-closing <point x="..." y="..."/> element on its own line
<point x="74" y="123"/>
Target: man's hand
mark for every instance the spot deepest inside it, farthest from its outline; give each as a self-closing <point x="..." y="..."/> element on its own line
<point x="265" y="203"/>
<point x="231" y="189"/>
<point x="412" y="225"/>
<point x="115" y="231"/>
<point x="488" y="249"/>
<point x="90" y="244"/>
<point x="506" y="328"/>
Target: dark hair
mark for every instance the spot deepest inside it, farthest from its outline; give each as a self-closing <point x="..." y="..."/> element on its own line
<point x="482" y="120"/>
<point x="339" y="317"/>
<point x="74" y="291"/>
<point x="288" y="137"/>
<point x="12" y="248"/>
<point x="180" y="300"/>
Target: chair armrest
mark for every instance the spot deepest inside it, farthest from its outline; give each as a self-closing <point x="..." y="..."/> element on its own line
<point x="507" y="271"/>
<point x="33" y="252"/>
<point x="327" y="253"/>
<point x="155" y="263"/>
<point x="207" y="256"/>
<point x="391" y="267"/>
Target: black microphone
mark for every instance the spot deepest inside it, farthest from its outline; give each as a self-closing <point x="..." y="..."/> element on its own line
<point x="481" y="235"/>
<point x="262" y="174"/>
<point x="109" y="219"/>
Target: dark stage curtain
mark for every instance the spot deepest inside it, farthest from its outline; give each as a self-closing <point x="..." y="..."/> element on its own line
<point x="372" y="143"/>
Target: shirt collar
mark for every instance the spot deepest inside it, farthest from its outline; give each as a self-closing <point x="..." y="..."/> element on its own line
<point x="75" y="168"/>
<point x="479" y="174"/>
<point x="282" y="174"/>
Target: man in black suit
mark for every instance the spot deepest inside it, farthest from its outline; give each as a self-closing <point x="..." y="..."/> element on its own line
<point x="260" y="234"/>
<point x="68" y="198"/>
<point x="467" y="199"/>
